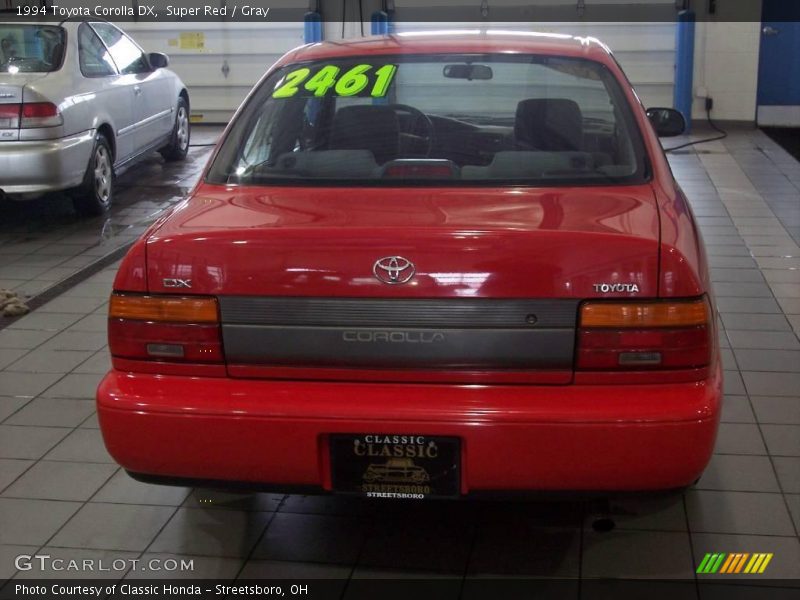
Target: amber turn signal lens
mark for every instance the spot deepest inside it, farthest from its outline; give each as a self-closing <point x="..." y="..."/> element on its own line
<point x="173" y="309"/>
<point x="645" y="314"/>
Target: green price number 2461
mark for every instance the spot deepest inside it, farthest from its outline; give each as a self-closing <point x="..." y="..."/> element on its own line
<point x="329" y="78"/>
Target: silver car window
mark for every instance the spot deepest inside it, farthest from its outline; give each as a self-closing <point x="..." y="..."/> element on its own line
<point x="31" y="48"/>
<point x="94" y="59"/>
<point x="126" y="54"/>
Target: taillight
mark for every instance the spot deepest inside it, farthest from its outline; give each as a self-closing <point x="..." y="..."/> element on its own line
<point x="29" y="115"/>
<point x="644" y="335"/>
<point x="9" y="116"/>
<point x="165" y="328"/>
<point x="40" y="114"/>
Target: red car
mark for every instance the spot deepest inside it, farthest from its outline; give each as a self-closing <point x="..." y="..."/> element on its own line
<point x="464" y="251"/>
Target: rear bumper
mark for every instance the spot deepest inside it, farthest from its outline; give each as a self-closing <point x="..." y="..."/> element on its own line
<point x="34" y="167"/>
<point x="579" y="437"/>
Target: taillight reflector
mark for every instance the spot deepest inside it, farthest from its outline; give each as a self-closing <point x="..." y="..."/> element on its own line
<point x="172" y="309"/>
<point x="145" y="340"/>
<point x="645" y="314"/>
<point x="643" y="348"/>
<point x="645" y="335"/>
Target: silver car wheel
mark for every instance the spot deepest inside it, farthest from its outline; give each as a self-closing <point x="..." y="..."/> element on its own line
<point x="182" y="122"/>
<point x="102" y="173"/>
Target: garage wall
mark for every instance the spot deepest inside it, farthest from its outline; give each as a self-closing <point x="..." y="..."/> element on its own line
<point x="726" y="43"/>
<point x="726" y="61"/>
<point x="646" y="51"/>
<point x="218" y="61"/>
<point x="726" y="69"/>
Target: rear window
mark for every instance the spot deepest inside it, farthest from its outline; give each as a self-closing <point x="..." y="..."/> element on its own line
<point x="435" y="119"/>
<point x="31" y="48"/>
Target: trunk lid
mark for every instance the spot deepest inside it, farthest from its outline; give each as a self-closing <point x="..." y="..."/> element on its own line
<point x="475" y="243"/>
<point x="498" y="275"/>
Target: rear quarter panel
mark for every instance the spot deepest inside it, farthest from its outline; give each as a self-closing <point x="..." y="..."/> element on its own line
<point x="683" y="263"/>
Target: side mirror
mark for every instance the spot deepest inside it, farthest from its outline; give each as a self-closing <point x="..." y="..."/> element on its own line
<point x="667" y="122"/>
<point x="158" y="60"/>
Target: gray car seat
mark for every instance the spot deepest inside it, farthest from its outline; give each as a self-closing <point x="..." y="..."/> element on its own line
<point x="366" y="127"/>
<point x="549" y="124"/>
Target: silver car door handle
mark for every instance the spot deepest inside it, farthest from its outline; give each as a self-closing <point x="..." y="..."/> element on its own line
<point x="770" y="30"/>
<point x="137" y="90"/>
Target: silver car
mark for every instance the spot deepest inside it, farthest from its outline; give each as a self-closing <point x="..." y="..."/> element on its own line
<point x="78" y="102"/>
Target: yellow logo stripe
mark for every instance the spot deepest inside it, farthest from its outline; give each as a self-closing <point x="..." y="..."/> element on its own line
<point x="754" y="562"/>
<point x="765" y="563"/>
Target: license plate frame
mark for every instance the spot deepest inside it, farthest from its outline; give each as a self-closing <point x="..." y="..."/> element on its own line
<point x="395" y="466"/>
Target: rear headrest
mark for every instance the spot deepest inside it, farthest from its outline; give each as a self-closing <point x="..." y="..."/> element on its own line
<point x="366" y="127"/>
<point x="550" y="124"/>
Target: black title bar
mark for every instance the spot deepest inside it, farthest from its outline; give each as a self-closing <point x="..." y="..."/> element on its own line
<point x="473" y="11"/>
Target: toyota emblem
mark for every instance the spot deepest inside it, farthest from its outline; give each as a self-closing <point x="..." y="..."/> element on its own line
<point x="393" y="269"/>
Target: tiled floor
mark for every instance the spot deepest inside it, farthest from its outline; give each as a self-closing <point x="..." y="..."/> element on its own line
<point x="61" y="494"/>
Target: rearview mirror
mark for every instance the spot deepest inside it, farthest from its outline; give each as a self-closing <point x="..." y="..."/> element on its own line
<point x="469" y="72"/>
<point x="667" y="122"/>
<point x="158" y="60"/>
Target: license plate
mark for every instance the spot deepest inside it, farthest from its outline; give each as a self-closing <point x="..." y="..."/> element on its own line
<point x="396" y="466"/>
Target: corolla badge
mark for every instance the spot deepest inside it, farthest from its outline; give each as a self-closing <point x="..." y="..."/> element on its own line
<point x="395" y="337"/>
<point x="393" y="269"/>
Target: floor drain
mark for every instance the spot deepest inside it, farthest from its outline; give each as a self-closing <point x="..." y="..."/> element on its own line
<point x="603" y="525"/>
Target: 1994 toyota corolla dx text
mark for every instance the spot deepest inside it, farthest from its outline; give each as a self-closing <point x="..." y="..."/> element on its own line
<point x="423" y="266"/>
